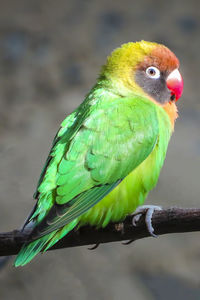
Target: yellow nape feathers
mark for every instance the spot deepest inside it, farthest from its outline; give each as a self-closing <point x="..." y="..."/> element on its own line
<point x="121" y="64"/>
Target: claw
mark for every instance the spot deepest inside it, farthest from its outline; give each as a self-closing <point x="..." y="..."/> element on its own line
<point x="94" y="247"/>
<point x="136" y="219"/>
<point x="148" y="210"/>
<point x="128" y="243"/>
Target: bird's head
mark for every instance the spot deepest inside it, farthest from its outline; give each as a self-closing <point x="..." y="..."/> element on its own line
<point x="145" y="68"/>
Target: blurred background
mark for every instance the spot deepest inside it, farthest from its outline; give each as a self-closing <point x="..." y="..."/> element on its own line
<point x="50" y="55"/>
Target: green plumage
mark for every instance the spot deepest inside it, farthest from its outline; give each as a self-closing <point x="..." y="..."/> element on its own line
<point x="105" y="159"/>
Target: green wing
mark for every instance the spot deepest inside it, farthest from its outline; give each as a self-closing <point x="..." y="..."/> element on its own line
<point x="60" y="215"/>
<point x="95" y="149"/>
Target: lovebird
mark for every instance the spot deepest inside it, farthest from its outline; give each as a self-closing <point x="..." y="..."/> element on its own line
<point x="108" y="153"/>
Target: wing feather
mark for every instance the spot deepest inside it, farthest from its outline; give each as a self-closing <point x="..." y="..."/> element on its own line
<point x="92" y="153"/>
<point x="60" y="215"/>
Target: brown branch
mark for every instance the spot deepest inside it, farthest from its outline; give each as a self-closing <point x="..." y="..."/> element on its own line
<point x="171" y="220"/>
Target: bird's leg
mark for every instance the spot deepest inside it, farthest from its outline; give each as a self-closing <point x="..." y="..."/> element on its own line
<point x="148" y="210"/>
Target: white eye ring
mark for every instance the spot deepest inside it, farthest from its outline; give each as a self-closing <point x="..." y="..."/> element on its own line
<point x="153" y="72"/>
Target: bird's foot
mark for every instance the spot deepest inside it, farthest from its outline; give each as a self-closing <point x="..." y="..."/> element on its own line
<point x="148" y="211"/>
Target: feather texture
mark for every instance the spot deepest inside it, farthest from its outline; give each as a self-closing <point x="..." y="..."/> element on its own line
<point x="104" y="160"/>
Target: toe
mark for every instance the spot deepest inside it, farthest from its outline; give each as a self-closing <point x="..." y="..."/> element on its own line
<point x="136" y="219"/>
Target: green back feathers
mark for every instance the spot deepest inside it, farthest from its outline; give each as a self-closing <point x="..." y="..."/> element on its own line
<point x="99" y="152"/>
<point x="110" y="143"/>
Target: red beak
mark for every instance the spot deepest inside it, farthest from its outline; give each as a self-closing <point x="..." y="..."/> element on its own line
<point x="175" y="84"/>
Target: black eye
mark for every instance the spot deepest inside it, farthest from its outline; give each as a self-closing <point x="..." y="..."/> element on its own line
<point x="153" y="72"/>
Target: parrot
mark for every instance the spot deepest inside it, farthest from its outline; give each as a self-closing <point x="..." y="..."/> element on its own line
<point x="108" y="153"/>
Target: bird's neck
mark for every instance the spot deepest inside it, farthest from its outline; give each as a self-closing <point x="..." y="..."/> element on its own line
<point x="172" y="112"/>
<point x="118" y="86"/>
<point x="118" y="89"/>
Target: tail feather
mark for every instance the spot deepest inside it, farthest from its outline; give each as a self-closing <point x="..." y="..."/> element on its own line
<point x="60" y="234"/>
<point x="30" y="250"/>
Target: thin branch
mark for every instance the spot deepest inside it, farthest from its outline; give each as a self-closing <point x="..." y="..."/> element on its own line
<point x="171" y="220"/>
